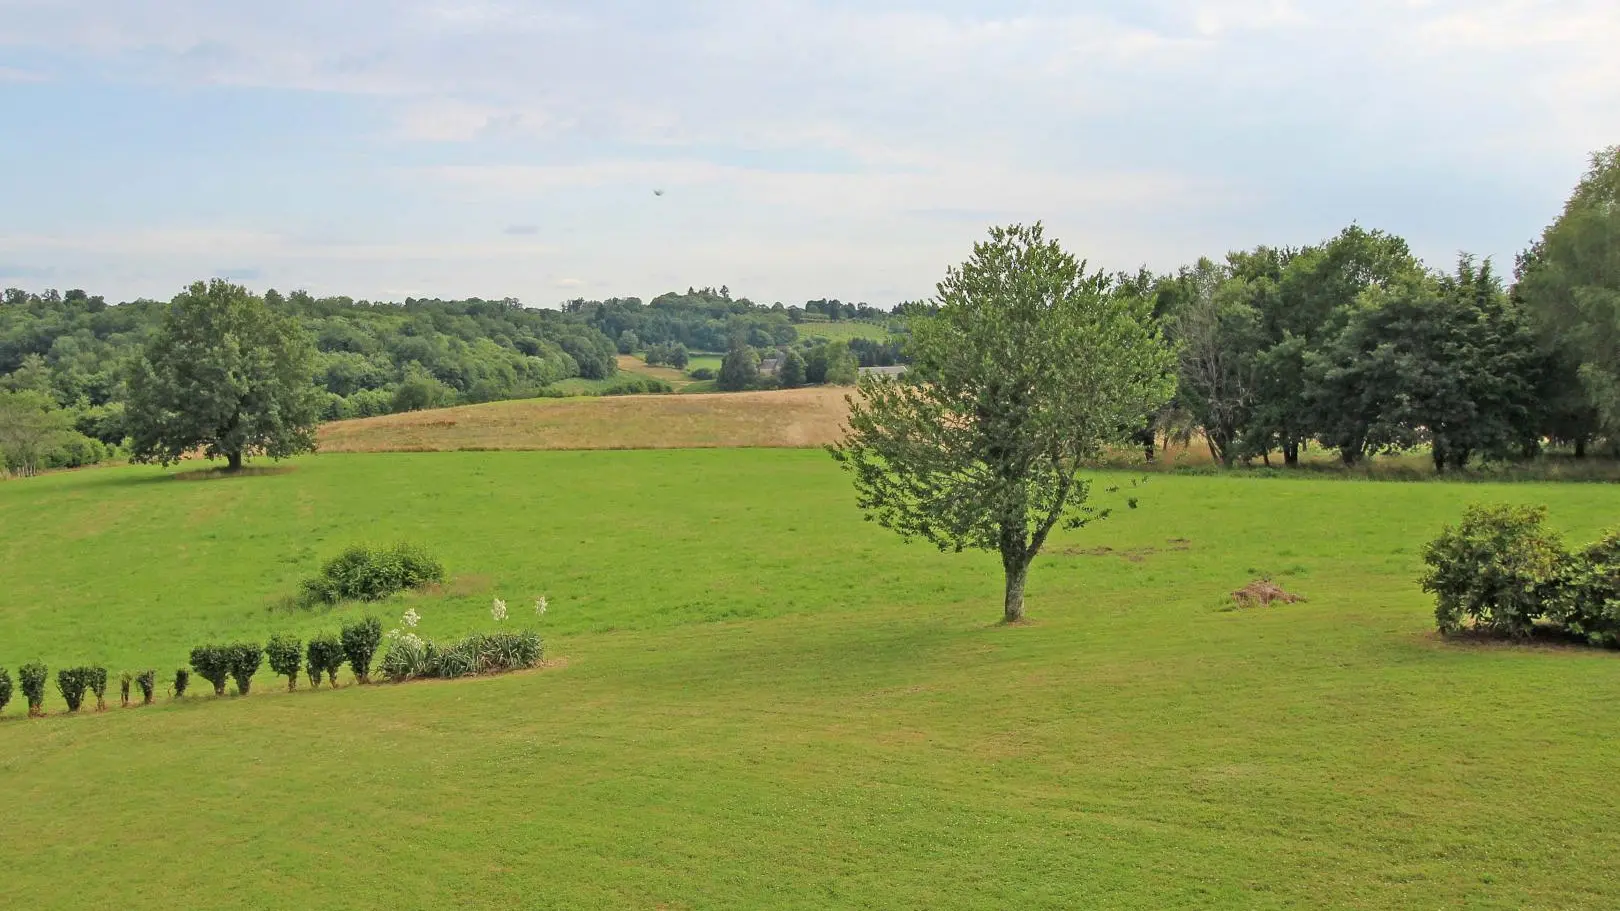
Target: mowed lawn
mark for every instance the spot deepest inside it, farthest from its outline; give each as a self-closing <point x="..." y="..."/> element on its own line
<point x="759" y="701"/>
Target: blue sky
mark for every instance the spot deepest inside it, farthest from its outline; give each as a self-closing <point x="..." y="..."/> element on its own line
<point x="806" y="149"/>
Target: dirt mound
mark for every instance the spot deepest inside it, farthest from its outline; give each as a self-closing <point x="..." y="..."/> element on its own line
<point x="1261" y="592"/>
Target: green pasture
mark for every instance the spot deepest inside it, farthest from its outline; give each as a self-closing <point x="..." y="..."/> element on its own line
<point x="842" y="331"/>
<point x="757" y="700"/>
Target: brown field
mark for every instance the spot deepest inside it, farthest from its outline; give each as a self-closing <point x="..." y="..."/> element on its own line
<point x="787" y="418"/>
<point x="629" y="363"/>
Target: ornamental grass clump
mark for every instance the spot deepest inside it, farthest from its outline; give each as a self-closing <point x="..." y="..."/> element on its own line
<point x="360" y="642"/>
<point x="245" y="658"/>
<point x="286" y="654"/>
<point x="71" y="682"/>
<point x="324" y="655"/>
<point x="31" y="677"/>
<point x="213" y="664"/>
<point x="146" y="682"/>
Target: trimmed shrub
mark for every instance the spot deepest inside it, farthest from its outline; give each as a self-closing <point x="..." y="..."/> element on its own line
<point x="1590" y="602"/>
<point x="367" y="574"/>
<point x="124" y="680"/>
<point x="31" y="677"/>
<point x="285" y="654"/>
<point x="96" y="679"/>
<point x="1500" y="570"/>
<point x="640" y="385"/>
<point x="244" y="658"/>
<point x="213" y="664"/>
<point x="147" y="682"/>
<point x="701" y="373"/>
<point x="182" y="679"/>
<point x="5" y="688"/>
<point x="71" y="683"/>
<point x="325" y="656"/>
<point x="360" y="642"/>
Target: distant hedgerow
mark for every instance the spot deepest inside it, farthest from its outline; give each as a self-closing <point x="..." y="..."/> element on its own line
<point x="31" y="677"/>
<point x="369" y="574"/>
<point x="285" y="654"/>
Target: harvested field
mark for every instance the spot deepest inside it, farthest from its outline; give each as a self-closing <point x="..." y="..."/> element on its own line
<point x="787" y="418"/>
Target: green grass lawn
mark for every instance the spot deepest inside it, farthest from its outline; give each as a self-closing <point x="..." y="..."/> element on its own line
<point x="758" y="700"/>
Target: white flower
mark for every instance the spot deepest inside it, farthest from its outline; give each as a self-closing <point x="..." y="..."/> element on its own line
<point x="540" y="606"/>
<point x="498" y="610"/>
<point x="411" y="618"/>
<point x="393" y="634"/>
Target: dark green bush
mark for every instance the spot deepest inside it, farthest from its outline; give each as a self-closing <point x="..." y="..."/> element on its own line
<point x="5" y="688"/>
<point x="96" y="679"/>
<point x="147" y="682"/>
<point x="285" y="654"/>
<point x="213" y="664"/>
<point x="31" y="677"/>
<point x="124" y="681"/>
<point x="360" y="642"/>
<point x="1500" y="569"/>
<point x="370" y="574"/>
<point x="182" y="679"/>
<point x="71" y="683"/>
<point x="1590" y="602"/>
<point x="641" y="385"/>
<point x="324" y="656"/>
<point x="701" y="373"/>
<point x="244" y="658"/>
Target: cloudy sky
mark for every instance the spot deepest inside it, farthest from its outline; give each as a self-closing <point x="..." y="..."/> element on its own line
<point x="843" y="148"/>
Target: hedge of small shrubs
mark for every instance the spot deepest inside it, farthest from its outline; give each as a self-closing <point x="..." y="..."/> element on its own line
<point x="1502" y="571"/>
<point x="371" y="574"/>
<point x="356" y="644"/>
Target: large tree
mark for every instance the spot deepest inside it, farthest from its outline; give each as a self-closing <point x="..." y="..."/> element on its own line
<point x="1028" y="367"/>
<point x="224" y="374"/>
<point x="1570" y="280"/>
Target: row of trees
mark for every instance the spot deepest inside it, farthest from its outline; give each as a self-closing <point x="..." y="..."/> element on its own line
<point x="707" y="319"/>
<point x="808" y="364"/>
<point x="1355" y="345"/>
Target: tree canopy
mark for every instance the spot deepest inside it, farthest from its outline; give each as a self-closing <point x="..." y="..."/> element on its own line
<point x="1028" y="367"/>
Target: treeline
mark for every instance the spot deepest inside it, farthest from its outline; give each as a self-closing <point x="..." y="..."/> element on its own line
<point x="1355" y="346"/>
<point x="706" y="319"/>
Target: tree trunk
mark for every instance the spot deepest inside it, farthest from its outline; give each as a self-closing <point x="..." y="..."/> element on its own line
<point x="1290" y="450"/>
<point x="1266" y="457"/>
<point x="1580" y="448"/>
<point x="1013" y="606"/>
<point x="234" y="461"/>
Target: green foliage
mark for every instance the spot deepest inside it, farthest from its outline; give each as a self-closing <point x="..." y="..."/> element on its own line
<point x="739" y="370"/>
<point x="1570" y="280"/>
<point x="286" y="654"/>
<point x="182" y="679"/>
<point x="31" y="678"/>
<point x="702" y="373"/>
<point x="1498" y="570"/>
<point x="637" y="385"/>
<point x="5" y="688"/>
<point x="1590" y="602"/>
<point x="146" y="681"/>
<point x="213" y="664"/>
<point x="371" y="574"/>
<point x="323" y="655"/>
<point x="842" y="368"/>
<point x="124" y="681"/>
<point x="411" y="657"/>
<point x="1027" y="370"/>
<point x="360" y="641"/>
<point x="672" y="354"/>
<point x="71" y="682"/>
<point x="244" y="658"/>
<point x="96" y="679"/>
<point x="226" y="374"/>
<point x="31" y="429"/>
<point x="792" y="371"/>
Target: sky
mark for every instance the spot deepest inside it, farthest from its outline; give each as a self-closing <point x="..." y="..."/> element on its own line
<point x="854" y="149"/>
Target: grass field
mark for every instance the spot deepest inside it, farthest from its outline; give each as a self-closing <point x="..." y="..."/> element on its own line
<point x="758" y="700"/>
<point x="842" y="331"/>
<point x="790" y="417"/>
